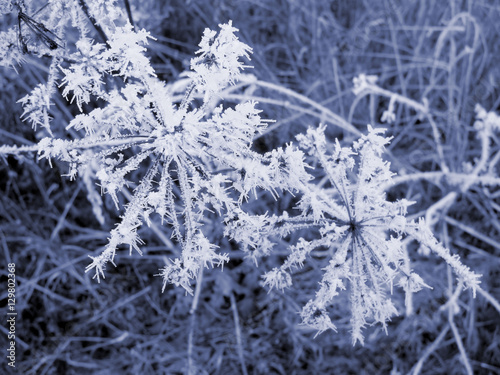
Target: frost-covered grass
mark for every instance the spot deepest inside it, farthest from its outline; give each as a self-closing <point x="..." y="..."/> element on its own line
<point x="338" y="218"/>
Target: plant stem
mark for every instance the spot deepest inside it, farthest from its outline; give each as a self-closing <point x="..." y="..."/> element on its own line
<point x="192" y="321"/>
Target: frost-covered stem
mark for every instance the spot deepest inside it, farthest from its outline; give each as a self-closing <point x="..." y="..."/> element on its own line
<point x="481" y="164"/>
<point x="489" y="298"/>
<point x="125" y="232"/>
<point x="374" y="89"/>
<point x="428" y="176"/>
<point x="62" y="218"/>
<point x="342" y="192"/>
<point x="431" y="216"/>
<point x="93" y="21"/>
<point x="306" y="223"/>
<point x="369" y="265"/>
<point x="437" y="140"/>
<point x="406" y="270"/>
<point x="364" y="244"/>
<point x="155" y="227"/>
<point x="237" y="330"/>
<point x="197" y="291"/>
<point x="336" y="119"/>
<point x="371" y="88"/>
<point x="52" y="87"/>
<point x="147" y="81"/>
<point x="357" y="319"/>
<point x="454" y="178"/>
<point x="458" y="340"/>
<point x="108" y="143"/>
<point x="187" y="96"/>
<point x="422" y="234"/>
<point x="446" y="202"/>
<point x="129" y="12"/>
<point x="16" y="150"/>
<point x="188" y="203"/>
<point x="173" y="212"/>
<point x="430" y="349"/>
<point x="281" y="103"/>
<point x="192" y="320"/>
<point x="472" y="232"/>
<point x="452" y="301"/>
<point x="493" y="162"/>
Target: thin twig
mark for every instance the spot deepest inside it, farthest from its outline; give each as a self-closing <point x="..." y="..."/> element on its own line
<point x="428" y="351"/>
<point x="471" y="231"/>
<point x="129" y="12"/>
<point x="458" y="339"/>
<point x="489" y="298"/>
<point x="452" y="307"/>
<point x="93" y="21"/>
<point x="334" y="118"/>
<point x="238" y="334"/>
<point x="192" y="321"/>
<point x="62" y="218"/>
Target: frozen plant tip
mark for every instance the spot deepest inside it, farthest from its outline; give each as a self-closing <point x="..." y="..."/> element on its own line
<point x="362" y="229"/>
<point x="218" y="63"/>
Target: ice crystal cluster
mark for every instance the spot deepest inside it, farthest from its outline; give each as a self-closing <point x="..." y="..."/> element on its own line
<point x="361" y="229"/>
<point x="186" y="160"/>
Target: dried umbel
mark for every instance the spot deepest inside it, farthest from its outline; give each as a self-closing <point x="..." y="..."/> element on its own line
<point x="363" y="231"/>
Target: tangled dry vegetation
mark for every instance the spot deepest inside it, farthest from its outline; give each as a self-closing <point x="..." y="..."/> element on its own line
<point x="437" y="91"/>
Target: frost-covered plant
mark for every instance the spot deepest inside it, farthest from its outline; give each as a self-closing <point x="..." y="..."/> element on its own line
<point x="181" y="145"/>
<point x="360" y="228"/>
<point x="185" y="145"/>
<point x="198" y="160"/>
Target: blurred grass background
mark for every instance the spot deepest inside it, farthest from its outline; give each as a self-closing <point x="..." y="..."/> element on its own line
<point x="445" y="51"/>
